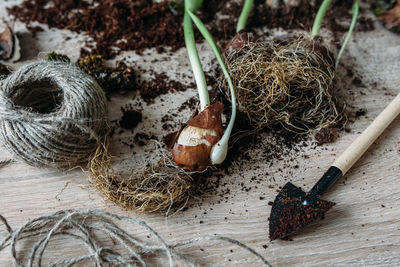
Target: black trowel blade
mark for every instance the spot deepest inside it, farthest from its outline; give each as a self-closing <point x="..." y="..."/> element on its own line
<point x="289" y="215"/>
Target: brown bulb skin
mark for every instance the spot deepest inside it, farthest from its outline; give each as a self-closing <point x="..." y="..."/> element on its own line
<point x="192" y="148"/>
<point x="240" y="39"/>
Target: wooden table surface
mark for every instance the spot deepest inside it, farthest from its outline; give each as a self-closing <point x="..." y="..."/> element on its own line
<point x="363" y="229"/>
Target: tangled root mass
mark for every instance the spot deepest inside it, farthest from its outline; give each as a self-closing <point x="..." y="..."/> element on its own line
<point x="286" y="84"/>
<point x="158" y="186"/>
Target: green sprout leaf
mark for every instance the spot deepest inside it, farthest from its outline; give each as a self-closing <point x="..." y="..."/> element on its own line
<point x="244" y="15"/>
<point x="320" y="18"/>
<point x="195" y="62"/>
<point x="355" y="10"/>
<point x="193" y="5"/>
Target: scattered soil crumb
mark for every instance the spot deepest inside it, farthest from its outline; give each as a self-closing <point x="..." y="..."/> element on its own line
<point x="191" y="104"/>
<point x="360" y="112"/>
<point x="142" y="138"/>
<point x="130" y="118"/>
<point x="325" y="135"/>
<point x="357" y="82"/>
<point x="161" y="84"/>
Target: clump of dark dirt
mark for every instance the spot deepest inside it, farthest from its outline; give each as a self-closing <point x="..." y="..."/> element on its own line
<point x="142" y="138"/>
<point x="4" y="71"/>
<point x="300" y="15"/>
<point x="114" y="25"/>
<point x="130" y="118"/>
<point x="283" y="15"/>
<point x="121" y="79"/>
<point x="191" y="103"/>
<point x="121" y="25"/>
<point x="357" y="82"/>
<point x="360" y="112"/>
<point x="161" y="84"/>
<point x="343" y="7"/>
<point x="326" y="135"/>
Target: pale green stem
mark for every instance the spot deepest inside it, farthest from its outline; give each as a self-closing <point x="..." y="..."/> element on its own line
<point x="193" y="5"/>
<point x="320" y="18"/>
<point x="220" y="149"/>
<point x="244" y="15"/>
<point x="355" y="9"/>
<point x="194" y="59"/>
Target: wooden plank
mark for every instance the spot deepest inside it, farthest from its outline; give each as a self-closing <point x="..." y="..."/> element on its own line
<point x="363" y="229"/>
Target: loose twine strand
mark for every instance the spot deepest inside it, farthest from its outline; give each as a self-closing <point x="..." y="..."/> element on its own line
<point x="52" y="114"/>
<point x="83" y="227"/>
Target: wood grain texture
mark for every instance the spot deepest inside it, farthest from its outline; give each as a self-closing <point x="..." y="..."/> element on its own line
<point x="363" y="229"/>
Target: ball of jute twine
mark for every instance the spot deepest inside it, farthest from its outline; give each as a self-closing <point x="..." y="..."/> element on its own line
<point x="89" y="228"/>
<point x="52" y="114"/>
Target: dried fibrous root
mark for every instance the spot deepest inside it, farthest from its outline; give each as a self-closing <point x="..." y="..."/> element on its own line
<point x="289" y="84"/>
<point x="158" y="186"/>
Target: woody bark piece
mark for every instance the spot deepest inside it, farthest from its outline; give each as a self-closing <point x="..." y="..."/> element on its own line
<point x="193" y="146"/>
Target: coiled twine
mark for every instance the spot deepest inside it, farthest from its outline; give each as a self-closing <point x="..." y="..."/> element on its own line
<point x="52" y="114"/>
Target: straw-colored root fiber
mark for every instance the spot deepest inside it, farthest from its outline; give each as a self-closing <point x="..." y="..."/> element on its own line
<point x="286" y="84"/>
<point x="155" y="187"/>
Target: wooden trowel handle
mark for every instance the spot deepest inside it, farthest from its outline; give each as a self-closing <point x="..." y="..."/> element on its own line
<point x="365" y="140"/>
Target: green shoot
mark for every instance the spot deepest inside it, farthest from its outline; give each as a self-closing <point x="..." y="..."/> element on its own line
<point x="355" y="11"/>
<point x="319" y="18"/>
<point x="220" y="149"/>
<point x="248" y="5"/>
<point x="194" y="59"/>
<point x="193" y="5"/>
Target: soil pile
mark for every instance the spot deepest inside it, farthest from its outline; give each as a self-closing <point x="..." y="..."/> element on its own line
<point x="122" y="25"/>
